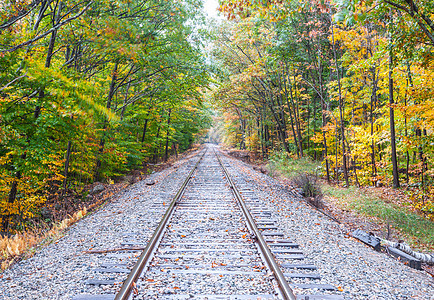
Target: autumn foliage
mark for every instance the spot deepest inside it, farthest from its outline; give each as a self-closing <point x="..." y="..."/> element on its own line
<point x="90" y="90"/>
<point x="349" y="83"/>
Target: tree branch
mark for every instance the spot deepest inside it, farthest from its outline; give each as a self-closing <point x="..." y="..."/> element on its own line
<point x="16" y="79"/>
<point x="48" y="31"/>
<point x="414" y="13"/>
<point x="423" y="16"/>
<point x="25" y="12"/>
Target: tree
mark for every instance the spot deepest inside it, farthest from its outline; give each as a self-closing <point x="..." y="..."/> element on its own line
<point x="369" y="124"/>
<point x="84" y="85"/>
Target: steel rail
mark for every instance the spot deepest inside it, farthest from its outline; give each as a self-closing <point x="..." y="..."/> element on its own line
<point x="285" y="289"/>
<point x="135" y="273"/>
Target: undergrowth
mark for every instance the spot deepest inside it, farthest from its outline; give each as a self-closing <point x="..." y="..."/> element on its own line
<point x="290" y="167"/>
<point x="12" y="248"/>
<point x="417" y="229"/>
<point x="302" y="172"/>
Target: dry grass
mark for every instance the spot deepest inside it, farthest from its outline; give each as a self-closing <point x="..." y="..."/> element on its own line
<point x="24" y="244"/>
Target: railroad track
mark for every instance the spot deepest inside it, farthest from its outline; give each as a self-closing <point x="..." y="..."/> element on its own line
<point x="218" y="242"/>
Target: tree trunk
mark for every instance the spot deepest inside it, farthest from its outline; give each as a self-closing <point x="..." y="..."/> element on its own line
<point x="144" y="130"/>
<point x="124" y="106"/>
<point x="291" y="116"/>
<point x="242" y="127"/>
<point x="297" y="121"/>
<point x="291" y="119"/>
<point x="102" y="141"/>
<point x="12" y="195"/>
<point x="13" y="191"/>
<point x="14" y="186"/>
<point x="48" y="58"/>
<point x="296" y="133"/>
<point x="337" y="153"/>
<point x="65" y="172"/>
<point x="392" y="117"/>
<point x="155" y="155"/>
<point x="341" y="114"/>
<point x="323" y="121"/>
<point x="314" y="128"/>
<point x="407" y="154"/>
<point x="175" y="150"/>
<point x="280" y="130"/>
<point x="166" y="153"/>
<point x="266" y="138"/>
<point x="371" y="121"/>
<point x="308" y="127"/>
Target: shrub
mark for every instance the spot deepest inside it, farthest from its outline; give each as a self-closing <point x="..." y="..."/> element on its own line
<point x="309" y="187"/>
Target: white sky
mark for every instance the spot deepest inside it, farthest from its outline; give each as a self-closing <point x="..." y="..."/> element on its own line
<point x="211" y="8"/>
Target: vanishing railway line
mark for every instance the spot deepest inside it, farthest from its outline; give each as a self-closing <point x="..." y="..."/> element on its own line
<point x="218" y="242"/>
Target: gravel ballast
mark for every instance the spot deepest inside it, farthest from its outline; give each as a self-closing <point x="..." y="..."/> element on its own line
<point x="355" y="269"/>
<point x="63" y="269"/>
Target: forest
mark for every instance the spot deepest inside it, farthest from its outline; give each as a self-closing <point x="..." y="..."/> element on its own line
<point x="92" y="89"/>
<point x="347" y="83"/>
